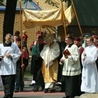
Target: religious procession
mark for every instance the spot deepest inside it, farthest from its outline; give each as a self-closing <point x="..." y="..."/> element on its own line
<point x="56" y="43"/>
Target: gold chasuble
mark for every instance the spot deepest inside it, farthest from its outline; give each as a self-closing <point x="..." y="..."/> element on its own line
<point x="50" y="73"/>
<point x="49" y="55"/>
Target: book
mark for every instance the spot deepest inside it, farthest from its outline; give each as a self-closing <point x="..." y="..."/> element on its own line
<point x="66" y="52"/>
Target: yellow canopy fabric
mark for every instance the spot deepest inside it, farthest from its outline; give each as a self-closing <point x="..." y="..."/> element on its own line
<point x="69" y="15"/>
<point x="53" y="17"/>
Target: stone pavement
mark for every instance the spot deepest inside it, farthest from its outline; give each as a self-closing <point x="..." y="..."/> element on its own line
<point x="28" y="93"/>
<point x="89" y="95"/>
<point x="35" y="95"/>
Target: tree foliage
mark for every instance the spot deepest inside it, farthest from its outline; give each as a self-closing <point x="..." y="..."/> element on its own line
<point x="1" y="3"/>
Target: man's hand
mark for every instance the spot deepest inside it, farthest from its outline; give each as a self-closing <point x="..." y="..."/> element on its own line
<point x="61" y="61"/>
<point x="8" y="55"/>
<point x="22" y="66"/>
<point x="84" y="54"/>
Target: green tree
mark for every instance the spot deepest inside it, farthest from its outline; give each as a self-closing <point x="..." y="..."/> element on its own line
<point x="1" y="3"/>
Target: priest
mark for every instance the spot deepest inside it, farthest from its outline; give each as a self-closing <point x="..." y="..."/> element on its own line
<point x="49" y="55"/>
<point x="9" y="54"/>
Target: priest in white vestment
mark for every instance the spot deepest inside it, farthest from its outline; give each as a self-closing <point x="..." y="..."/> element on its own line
<point x="89" y="72"/>
<point x="49" y="55"/>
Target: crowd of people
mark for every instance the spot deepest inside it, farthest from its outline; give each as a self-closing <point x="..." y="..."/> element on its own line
<point x="70" y="61"/>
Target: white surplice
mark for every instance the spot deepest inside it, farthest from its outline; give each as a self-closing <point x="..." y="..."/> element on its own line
<point x="49" y="54"/>
<point x="8" y="65"/>
<point x="90" y="72"/>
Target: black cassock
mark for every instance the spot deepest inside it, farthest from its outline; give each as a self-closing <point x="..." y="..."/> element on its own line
<point x="72" y="85"/>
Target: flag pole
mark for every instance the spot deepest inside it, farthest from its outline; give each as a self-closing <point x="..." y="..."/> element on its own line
<point x="38" y="10"/>
<point x="77" y="18"/>
<point x="63" y="18"/>
<point x="21" y="25"/>
<point x="21" y="30"/>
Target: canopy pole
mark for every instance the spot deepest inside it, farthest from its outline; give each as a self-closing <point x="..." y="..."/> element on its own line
<point x="49" y="30"/>
<point x="21" y="27"/>
<point x="21" y="30"/>
<point x="38" y="10"/>
<point x="63" y="18"/>
<point x="77" y="18"/>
